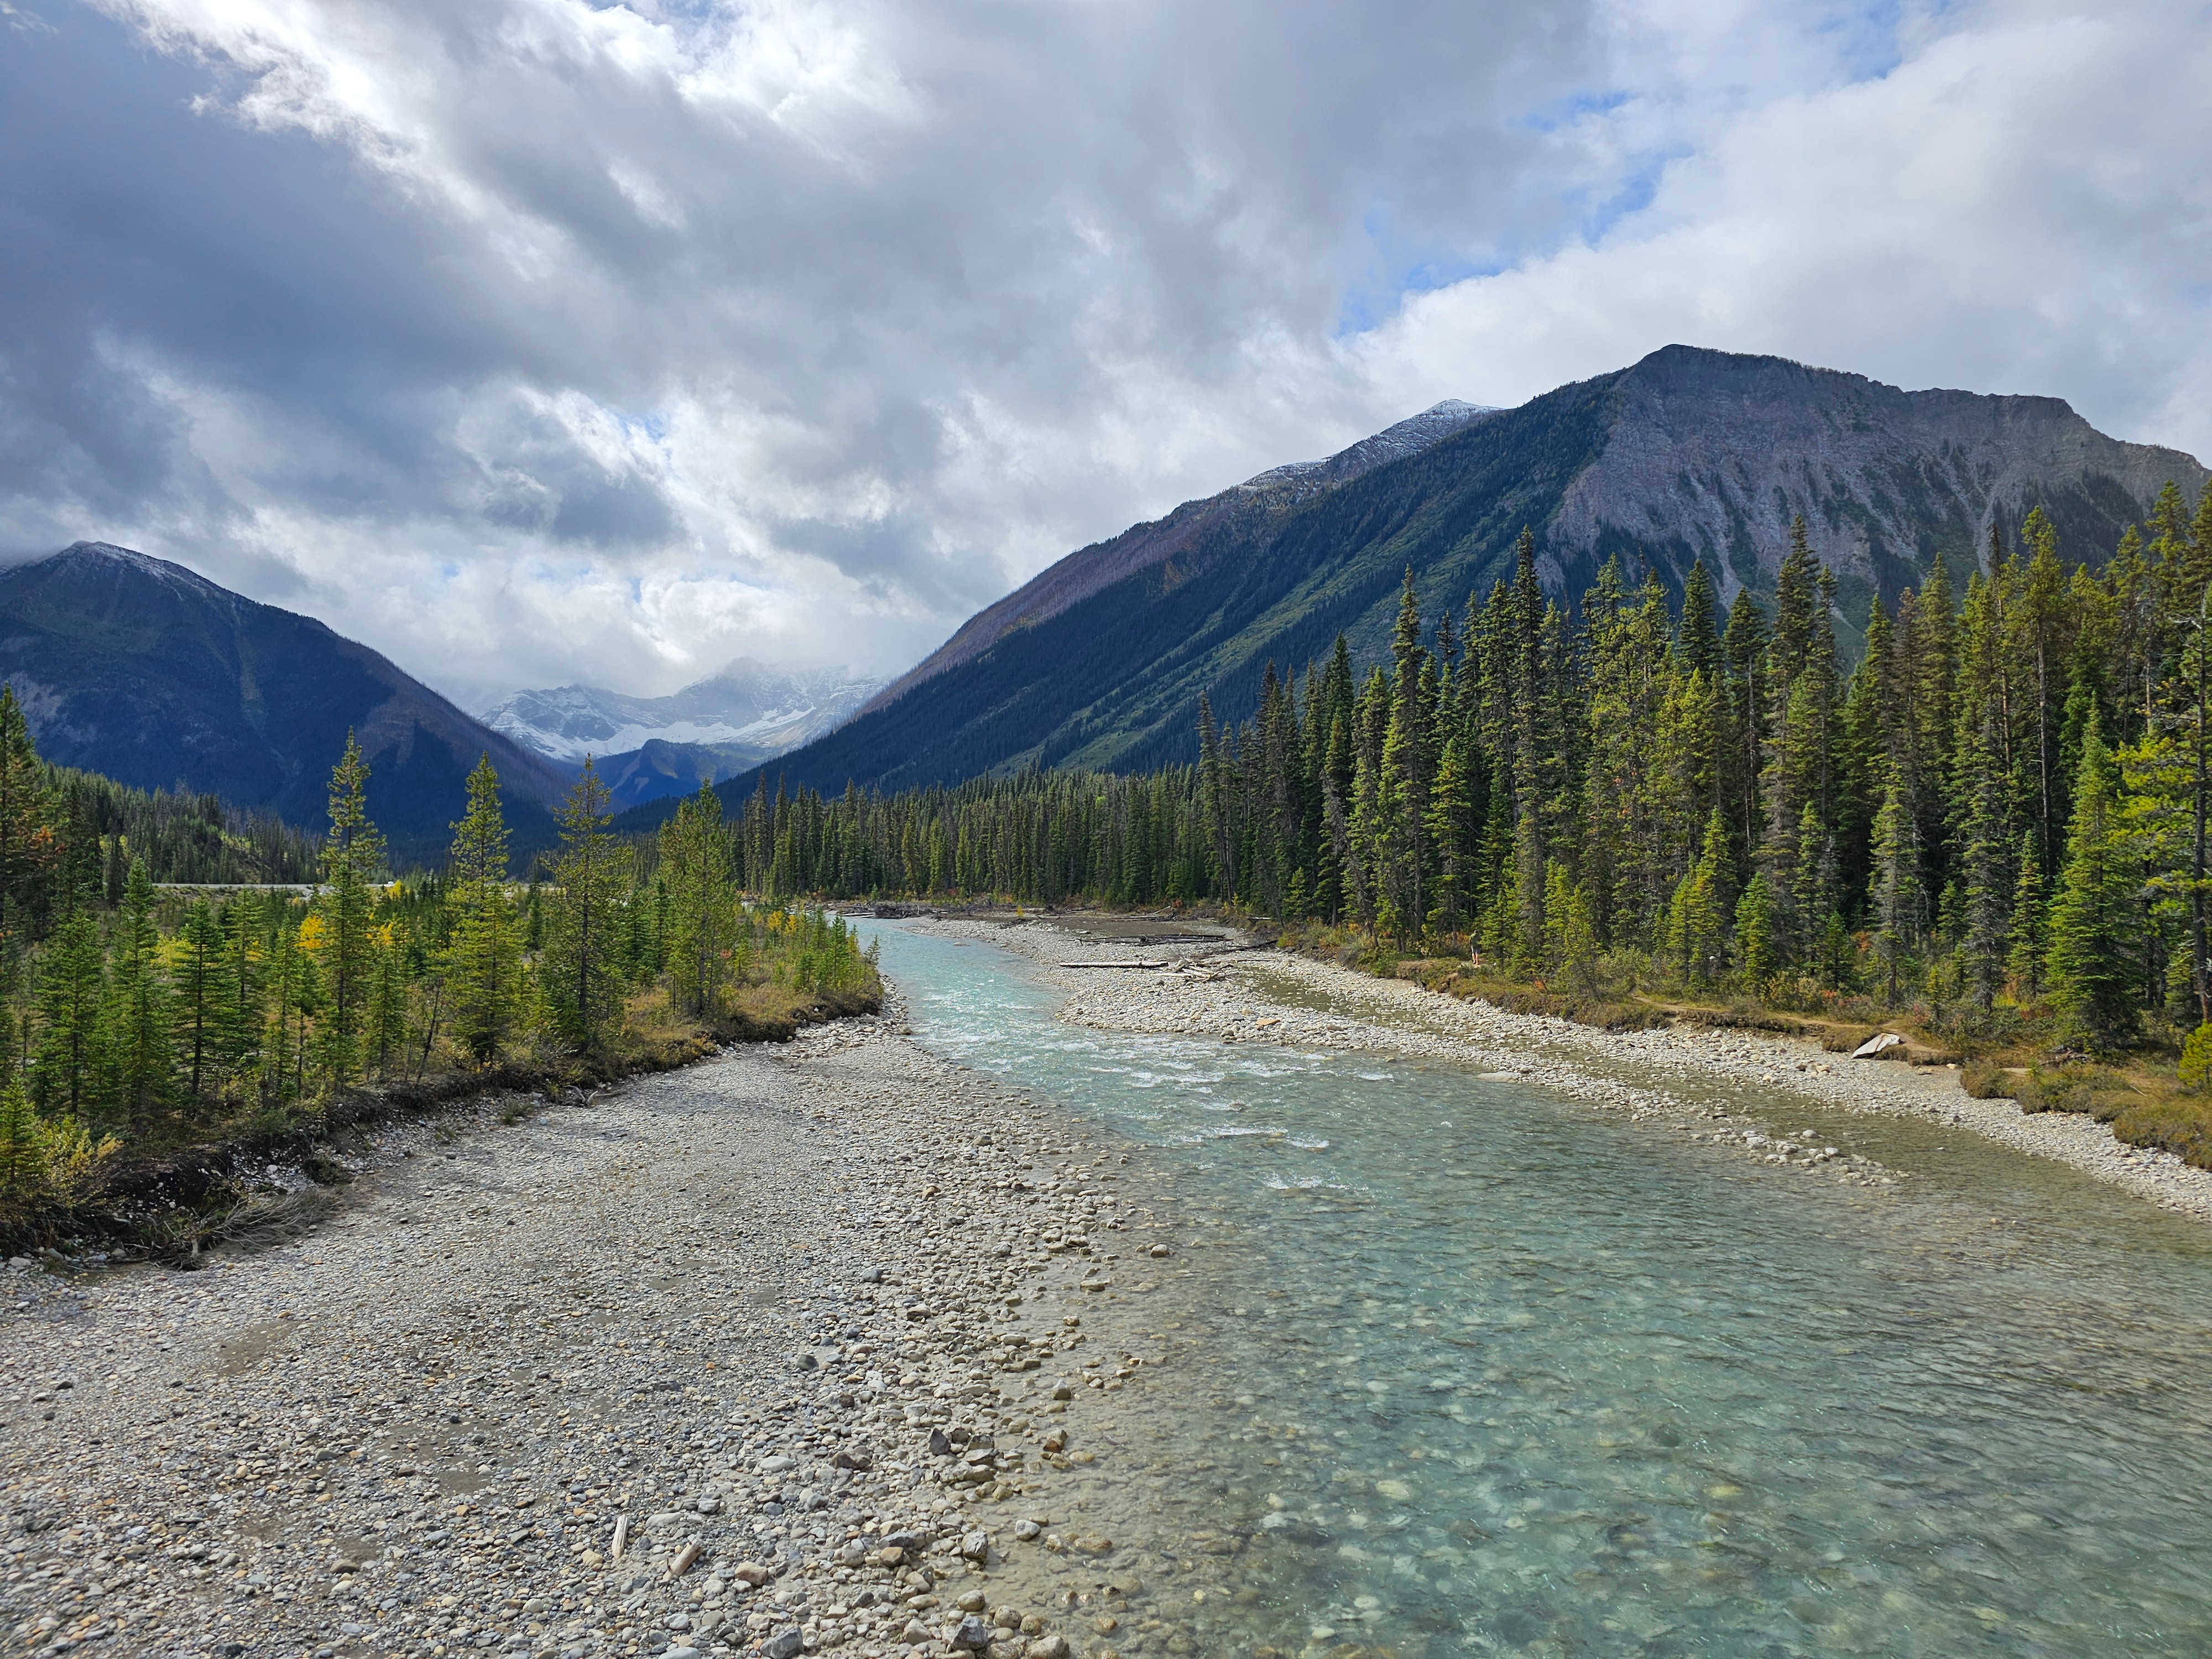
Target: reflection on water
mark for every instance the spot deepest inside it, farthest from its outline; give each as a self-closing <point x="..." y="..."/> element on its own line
<point x="1471" y="1369"/>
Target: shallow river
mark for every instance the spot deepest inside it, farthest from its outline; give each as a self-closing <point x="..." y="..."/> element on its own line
<point x="1497" y="1372"/>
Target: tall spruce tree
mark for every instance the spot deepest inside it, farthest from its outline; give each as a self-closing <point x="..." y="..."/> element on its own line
<point x="2095" y="918"/>
<point x="135" y="1041"/>
<point x="583" y="975"/>
<point x="484" y="974"/>
<point x="353" y="863"/>
<point x="694" y="862"/>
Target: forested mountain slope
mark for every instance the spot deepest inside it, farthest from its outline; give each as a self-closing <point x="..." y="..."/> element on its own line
<point x="1688" y="455"/>
<point x="138" y="668"/>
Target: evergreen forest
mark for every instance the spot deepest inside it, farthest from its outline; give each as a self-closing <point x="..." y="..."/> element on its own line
<point x="135" y="1017"/>
<point x="1996" y="817"/>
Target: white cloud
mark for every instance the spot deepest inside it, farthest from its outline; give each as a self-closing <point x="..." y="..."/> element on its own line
<point x="533" y="340"/>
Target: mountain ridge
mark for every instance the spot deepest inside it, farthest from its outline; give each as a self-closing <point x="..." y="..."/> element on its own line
<point x="745" y="705"/>
<point x="1688" y="454"/>
<point x="1076" y="577"/>
<point x="143" y="670"/>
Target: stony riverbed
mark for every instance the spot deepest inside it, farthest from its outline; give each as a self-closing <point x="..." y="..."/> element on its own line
<point x="824" y="1347"/>
<point x="835" y="1347"/>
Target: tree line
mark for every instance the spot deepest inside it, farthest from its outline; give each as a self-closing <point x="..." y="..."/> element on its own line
<point x="1998" y="811"/>
<point x="133" y="1017"/>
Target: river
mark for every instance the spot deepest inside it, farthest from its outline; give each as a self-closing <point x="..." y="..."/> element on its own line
<point x="1490" y="1371"/>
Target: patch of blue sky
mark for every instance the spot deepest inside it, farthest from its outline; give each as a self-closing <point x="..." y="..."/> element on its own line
<point x="1396" y="274"/>
<point x="1573" y="107"/>
<point x="1368" y="304"/>
<point x="653" y="425"/>
<point x="1865" y="37"/>
<point x="661" y="11"/>
<point x="1630" y="194"/>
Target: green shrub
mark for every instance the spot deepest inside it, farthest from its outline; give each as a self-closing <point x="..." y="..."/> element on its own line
<point x="2196" y="1060"/>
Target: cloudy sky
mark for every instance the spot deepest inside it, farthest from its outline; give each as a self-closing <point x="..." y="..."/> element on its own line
<point x="542" y="340"/>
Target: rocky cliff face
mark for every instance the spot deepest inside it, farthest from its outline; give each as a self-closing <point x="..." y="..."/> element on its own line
<point x="1101" y="660"/>
<point x="137" y="668"/>
<point x="1704" y="454"/>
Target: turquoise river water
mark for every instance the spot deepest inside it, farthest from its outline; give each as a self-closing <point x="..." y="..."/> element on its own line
<point x="1497" y="1372"/>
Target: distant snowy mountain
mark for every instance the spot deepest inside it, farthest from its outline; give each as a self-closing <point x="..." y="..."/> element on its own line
<point x="746" y="714"/>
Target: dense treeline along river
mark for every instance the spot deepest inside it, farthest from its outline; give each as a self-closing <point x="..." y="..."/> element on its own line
<point x="1478" y="1370"/>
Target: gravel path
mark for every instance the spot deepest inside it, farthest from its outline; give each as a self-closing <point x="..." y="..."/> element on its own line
<point x="825" y="1335"/>
<point x="1720" y="1085"/>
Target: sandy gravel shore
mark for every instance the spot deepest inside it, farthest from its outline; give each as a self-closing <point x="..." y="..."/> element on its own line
<point x="1718" y="1082"/>
<point x="834" y="1337"/>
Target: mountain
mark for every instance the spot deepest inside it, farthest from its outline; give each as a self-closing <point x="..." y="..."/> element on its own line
<point x="1079" y="576"/>
<point x="647" y="747"/>
<point x="658" y="770"/>
<point x="137" y="668"/>
<point x="1690" y="453"/>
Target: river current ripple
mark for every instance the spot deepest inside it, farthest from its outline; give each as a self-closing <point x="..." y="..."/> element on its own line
<point x="1493" y="1372"/>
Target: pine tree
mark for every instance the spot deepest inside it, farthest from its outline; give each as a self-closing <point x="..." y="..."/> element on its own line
<point x="1757" y="956"/>
<point x="136" y="1017"/>
<point x="1700" y="630"/>
<point x="200" y="984"/>
<point x="702" y="901"/>
<point x="1899" y="901"/>
<point x="2094" y="919"/>
<point x="239" y="1010"/>
<point x="386" y="1033"/>
<point x="352" y="862"/>
<point x="22" y="1152"/>
<point x="483" y="977"/>
<point x="582" y="969"/>
<point x="1699" y="914"/>
<point x="1452" y="832"/>
<point x="1570" y="947"/>
<point x="71" y="991"/>
<point x="2028" y="938"/>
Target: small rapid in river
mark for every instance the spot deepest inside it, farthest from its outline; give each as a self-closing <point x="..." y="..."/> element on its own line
<point x="1484" y="1370"/>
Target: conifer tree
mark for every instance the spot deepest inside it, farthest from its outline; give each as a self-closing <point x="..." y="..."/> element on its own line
<point x="387" y="1032"/>
<point x="200" y="984"/>
<point x="1745" y="646"/>
<point x="2095" y="918"/>
<point x="25" y="860"/>
<point x="1450" y="827"/>
<point x="1757" y="957"/>
<point x="352" y="862"/>
<point x="1571" y="946"/>
<point x="1702" y="910"/>
<point x="1700" y="631"/>
<point x="240" y="1008"/>
<point x="1898" y="901"/>
<point x="71" y="992"/>
<point x="695" y="862"/>
<point x="22" y="1152"/>
<point x="136" y="1017"/>
<point x="483" y="977"/>
<point x="2027" y="939"/>
<point x="582" y="969"/>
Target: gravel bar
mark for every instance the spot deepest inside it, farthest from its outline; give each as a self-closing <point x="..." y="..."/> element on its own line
<point x="815" y="1347"/>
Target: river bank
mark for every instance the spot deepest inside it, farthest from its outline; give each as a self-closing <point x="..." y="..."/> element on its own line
<point x="826" y="1346"/>
<point x="1711" y="1083"/>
